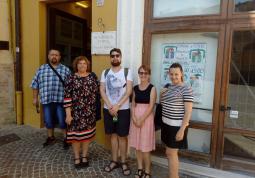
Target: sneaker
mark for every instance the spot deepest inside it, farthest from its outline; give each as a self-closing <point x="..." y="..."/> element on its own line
<point x="49" y="141"/>
<point x="65" y="144"/>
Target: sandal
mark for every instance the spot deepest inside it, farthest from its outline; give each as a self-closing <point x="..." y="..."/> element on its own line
<point x="84" y="163"/>
<point x="146" y="175"/>
<point x="139" y="173"/>
<point x="77" y="165"/>
<point x="125" y="169"/>
<point x="113" y="165"/>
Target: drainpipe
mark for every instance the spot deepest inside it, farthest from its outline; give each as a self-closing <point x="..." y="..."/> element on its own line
<point x="18" y="70"/>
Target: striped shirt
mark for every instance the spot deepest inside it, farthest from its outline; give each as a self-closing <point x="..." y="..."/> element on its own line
<point x="47" y="82"/>
<point x="173" y="104"/>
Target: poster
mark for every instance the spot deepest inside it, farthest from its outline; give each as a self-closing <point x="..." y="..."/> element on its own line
<point x="192" y="57"/>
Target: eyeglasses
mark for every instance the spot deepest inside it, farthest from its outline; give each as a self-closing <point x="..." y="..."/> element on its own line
<point x="143" y="73"/>
<point x="116" y="55"/>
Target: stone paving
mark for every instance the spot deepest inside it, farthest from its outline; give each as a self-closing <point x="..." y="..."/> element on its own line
<point x="23" y="156"/>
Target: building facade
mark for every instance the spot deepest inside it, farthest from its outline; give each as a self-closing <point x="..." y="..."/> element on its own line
<point x="213" y="40"/>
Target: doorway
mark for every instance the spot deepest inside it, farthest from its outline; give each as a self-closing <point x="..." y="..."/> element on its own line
<point x="69" y="29"/>
<point x="237" y="127"/>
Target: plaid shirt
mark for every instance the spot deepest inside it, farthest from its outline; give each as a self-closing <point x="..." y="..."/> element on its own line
<point x="47" y="82"/>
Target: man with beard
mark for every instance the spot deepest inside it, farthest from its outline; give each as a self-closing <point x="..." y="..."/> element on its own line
<point x="49" y="86"/>
<point x="115" y="89"/>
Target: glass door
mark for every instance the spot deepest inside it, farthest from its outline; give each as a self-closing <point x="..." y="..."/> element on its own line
<point x="238" y="136"/>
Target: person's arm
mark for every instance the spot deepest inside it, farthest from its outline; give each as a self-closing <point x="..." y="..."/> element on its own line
<point x="116" y="107"/>
<point x="104" y="96"/>
<point x="187" y="114"/>
<point x="69" y="117"/>
<point x="153" y="97"/>
<point x="185" y="121"/>
<point x="68" y="99"/>
<point x="35" y="97"/>
<point x="133" y="116"/>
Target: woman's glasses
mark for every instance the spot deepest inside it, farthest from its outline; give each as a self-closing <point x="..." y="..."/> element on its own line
<point x="143" y="73"/>
<point x="116" y="55"/>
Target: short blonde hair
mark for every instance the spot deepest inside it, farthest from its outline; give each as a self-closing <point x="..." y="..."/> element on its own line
<point x="77" y="60"/>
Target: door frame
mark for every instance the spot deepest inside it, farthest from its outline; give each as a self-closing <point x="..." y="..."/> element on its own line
<point x="225" y="162"/>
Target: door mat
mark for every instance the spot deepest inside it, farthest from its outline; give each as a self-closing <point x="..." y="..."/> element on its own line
<point x="8" y="139"/>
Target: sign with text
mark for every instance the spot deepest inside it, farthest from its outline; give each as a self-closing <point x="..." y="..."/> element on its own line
<point x="192" y="57"/>
<point x="100" y="2"/>
<point x="103" y="42"/>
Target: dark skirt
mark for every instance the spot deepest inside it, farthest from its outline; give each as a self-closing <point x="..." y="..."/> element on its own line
<point x="168" y="134"/>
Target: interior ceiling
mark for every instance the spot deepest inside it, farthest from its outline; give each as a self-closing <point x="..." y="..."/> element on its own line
<point x="88" y="2"/>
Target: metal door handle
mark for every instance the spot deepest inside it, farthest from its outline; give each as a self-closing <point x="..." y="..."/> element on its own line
<point x="224" y="108"/>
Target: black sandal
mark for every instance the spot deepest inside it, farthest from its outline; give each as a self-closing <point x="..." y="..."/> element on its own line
<point x="139" y="173"/>
<point x="125" y="169"/>
<point x="113" y="165"/>
<point x="77" y="165"/>
<point x="146" y="175"/>
<point x="84" y="163"/>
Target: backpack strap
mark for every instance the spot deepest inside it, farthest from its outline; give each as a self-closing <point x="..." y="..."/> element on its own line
<point x="125" y="72"/>
<point x="106" y="72"/>
<point x="54" y="70"/>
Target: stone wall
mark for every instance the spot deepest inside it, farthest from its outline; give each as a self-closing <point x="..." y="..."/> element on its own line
<point x="7" y="109"/>
<point x="7" y="85"/>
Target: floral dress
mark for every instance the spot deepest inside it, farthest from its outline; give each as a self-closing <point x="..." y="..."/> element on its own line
<point x="80" y="94"/>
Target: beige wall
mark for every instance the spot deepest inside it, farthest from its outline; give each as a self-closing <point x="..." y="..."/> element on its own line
<point x="7" y="109"/>
<point x="108" y="13"/>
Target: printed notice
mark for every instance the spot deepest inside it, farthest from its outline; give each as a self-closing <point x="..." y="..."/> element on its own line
<point x="192" y="57"/>
<point x="103" y="42"/>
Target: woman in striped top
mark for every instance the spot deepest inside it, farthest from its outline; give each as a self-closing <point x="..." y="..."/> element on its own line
<point x="177" y="101"/>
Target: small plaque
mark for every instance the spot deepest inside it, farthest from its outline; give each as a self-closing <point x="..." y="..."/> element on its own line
<point x="233" y="114"/>
<point x="103" y="42"/>
<point x="100" y="2"/>
<point x="4" y="45"/>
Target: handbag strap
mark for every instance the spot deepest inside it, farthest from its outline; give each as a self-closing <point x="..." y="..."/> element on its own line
<point x="54" y="70"/>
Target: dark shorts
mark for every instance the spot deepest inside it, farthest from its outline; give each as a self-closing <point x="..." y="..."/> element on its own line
<point x="121" y="128"/>
<point x="168" y="134"/>
<point x="54" y="113"/>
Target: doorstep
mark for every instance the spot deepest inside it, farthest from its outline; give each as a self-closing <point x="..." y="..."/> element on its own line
<point x="202" y="171"/>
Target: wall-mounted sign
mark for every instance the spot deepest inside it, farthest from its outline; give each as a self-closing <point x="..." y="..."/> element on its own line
<point x="192" y="57"/>
<point x="100" y="2"/>
<point x="103" y="42"/>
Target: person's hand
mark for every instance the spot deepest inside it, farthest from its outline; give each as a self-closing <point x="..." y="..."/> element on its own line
<point x="180" y="134"/>
<point x="134" y="119"/>
<point x="69" y="120"/>
<point x="163" y="90"/>
<point x="35" y="102"/>
<point x="139" y="122"/>
<point x="115" y="108"/>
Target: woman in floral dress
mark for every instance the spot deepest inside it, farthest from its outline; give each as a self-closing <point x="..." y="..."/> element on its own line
<point x="80" y="93"/>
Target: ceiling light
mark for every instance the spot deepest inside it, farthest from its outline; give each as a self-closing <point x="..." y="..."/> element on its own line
<point x="82" y="4"/>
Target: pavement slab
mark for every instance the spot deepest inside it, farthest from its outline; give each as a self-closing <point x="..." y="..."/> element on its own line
<point x="23" y="156"/>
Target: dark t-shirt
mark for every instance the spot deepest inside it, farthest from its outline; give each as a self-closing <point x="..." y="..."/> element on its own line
<point x="143" y="96"/>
